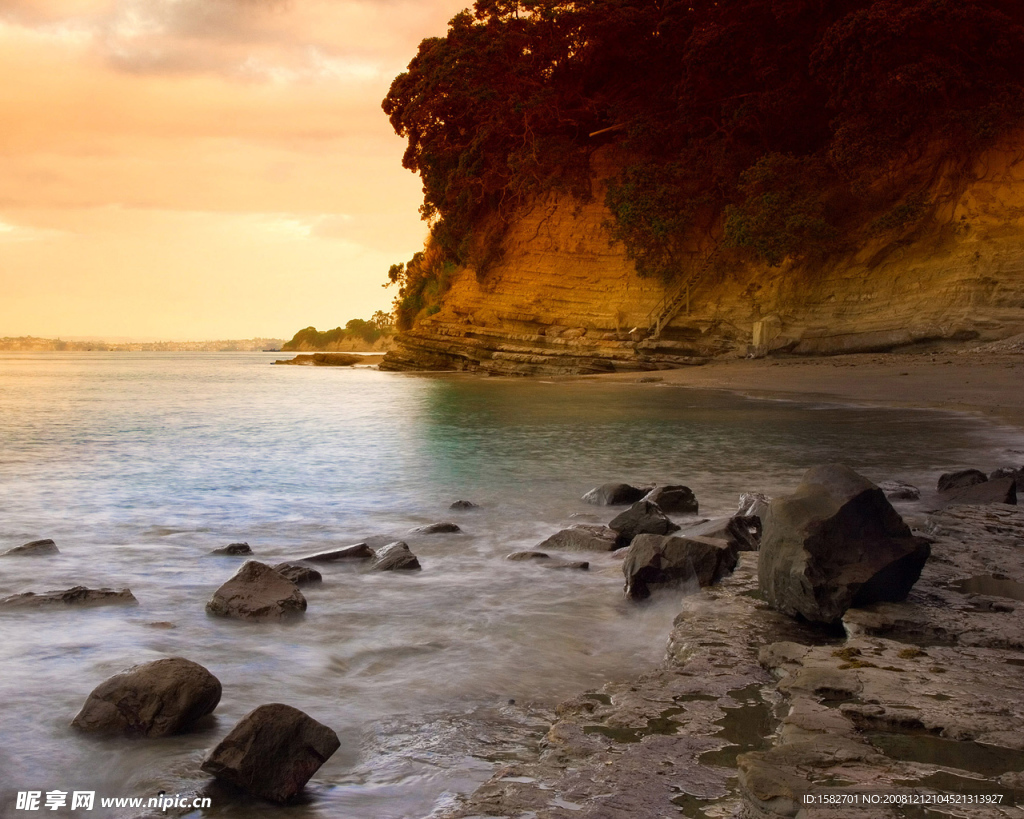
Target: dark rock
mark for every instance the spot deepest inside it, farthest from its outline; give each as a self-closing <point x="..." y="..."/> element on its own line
<point x="299" y="575"/>
<point x="75" y="596"/>
<point x="1009" y="472"/>
<point x="257" y="592"/>
<point x="657" y="560"/>
<point x="835" y="543"/>
<point x="673" y="500"/>
<point x="436" y="529"/>
<point x="155" y="699"/>
<point x="899" y="490"/>
<point x="462" y="505"/>
<point x="615" y="494"/>
<point x="961" y="479"/>
<point x="742" y="532"/>
<point x="395" y="557"/>
<point x="1000" y="490"/>
<point x="359" y="551"/>
<point x="582" y="538"/>
<point x="642" y="518"/>
<point x="549" y="562"/>
<point x="753" y="504"/>
<point x="272" y="752"/>
<point x="36" y="548"/>
<point x="233" y="550"/>
<point x="324" y="360"/>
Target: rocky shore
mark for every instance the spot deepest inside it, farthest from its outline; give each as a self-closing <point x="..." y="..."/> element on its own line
<point x="755" y="713"/>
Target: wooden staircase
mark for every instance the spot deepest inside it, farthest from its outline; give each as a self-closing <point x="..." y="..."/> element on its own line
<point x="675" y="300"/>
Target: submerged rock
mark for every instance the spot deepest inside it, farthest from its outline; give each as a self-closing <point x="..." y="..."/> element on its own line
<point x="547" y="561"/>
<point x="395" y="557"/>
<point x="998" y="490"/>
<point x="742" y="532"/>
<point x="445" y="527"/>
<point x="615" y="494"/>
<point x="961" y="479"/>
<point x="899" y="490"/>
<point x="155" y="699"/>
<point x="658" y="560"/>
<point x="233" y="550"/>
<point x="35" y="548"/>
<point x="299" y="575"/>
<point x="462" y="505"/>
<point x="257" y="592"/>
<point x="581" y="537"/>
<point x="360" y="551"/>
<point x="753" y="504"/>
<point x="642" y="518"/>
<point x="1017" y="473"/>
<point x="272" y="752"/>
<point x="75" y="596"/>
<point x="674" y="499"/>
<point x="836" y="542"/>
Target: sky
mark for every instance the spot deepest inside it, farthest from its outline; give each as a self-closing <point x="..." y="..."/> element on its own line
<point x="202" y="169"/>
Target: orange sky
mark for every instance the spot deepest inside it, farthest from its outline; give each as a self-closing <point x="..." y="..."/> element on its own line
<point x="193" y="169"/>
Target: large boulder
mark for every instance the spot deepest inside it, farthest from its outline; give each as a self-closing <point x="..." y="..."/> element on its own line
<point x="657" y="560"/>
<point x="257" y="592"/>
<point x="75" y="596"/>
<point x="642" y="518"/>
<point x="155" y="699"/>
<point x="835" y="543"/>
<point x="299" y="575"/>
<point x="272" y="752"/>
<point x="961" y="479"/>
<point x="35" y="548"/>
<point x="673" y="499"/>
<point x="581" y="537"/>
<point x="615" y="494"/>
<point x="998" y="490"/>
<point x="395" y="557"/>
<point x="360" y="551"/>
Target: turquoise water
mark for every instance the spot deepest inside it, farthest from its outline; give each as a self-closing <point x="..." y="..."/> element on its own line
<point x="140" y="464"/>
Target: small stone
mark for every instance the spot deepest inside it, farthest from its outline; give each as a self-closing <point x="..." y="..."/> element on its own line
<point x="299" y="575"/>
<point x="899" y="490"/>
<point x="272" y="752"/>
<point x="233" y="550"/>
<point x="642" y="518"/>
<point x="35" y="548"/>
<point x="395" y="557"/>
<point x="155" y="699"/>
<point x="549" y="562"/>
<point x="359" y="551"/>
<point x="463" y="505"/>
<point x="257" y="592"/>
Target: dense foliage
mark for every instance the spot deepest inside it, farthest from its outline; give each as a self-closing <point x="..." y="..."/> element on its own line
<point x="355" y="331"/>
<point x="783" y="121"/>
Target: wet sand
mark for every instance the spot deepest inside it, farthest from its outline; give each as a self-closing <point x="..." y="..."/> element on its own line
<point x="986" y="383"/>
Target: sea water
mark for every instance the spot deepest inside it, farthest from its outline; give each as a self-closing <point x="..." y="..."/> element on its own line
<point x="140" y="464"/>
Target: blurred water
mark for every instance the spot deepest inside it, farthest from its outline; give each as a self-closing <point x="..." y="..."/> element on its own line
<point x="139" y="464"/>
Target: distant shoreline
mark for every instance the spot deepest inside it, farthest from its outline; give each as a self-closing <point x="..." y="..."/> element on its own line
<point x="32" y="344"/>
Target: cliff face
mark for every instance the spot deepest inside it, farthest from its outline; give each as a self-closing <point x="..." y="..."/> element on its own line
<point x="563" y="299"/>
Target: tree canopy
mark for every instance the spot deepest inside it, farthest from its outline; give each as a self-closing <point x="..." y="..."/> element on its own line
<point x="777" y="117"/>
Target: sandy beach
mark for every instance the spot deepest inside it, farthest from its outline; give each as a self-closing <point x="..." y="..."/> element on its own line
<point x="983" y="381"/>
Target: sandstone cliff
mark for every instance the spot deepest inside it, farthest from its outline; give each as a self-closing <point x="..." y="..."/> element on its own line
<point x="564" y="299"/>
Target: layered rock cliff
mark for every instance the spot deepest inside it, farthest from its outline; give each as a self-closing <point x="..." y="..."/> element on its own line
<point x="565" y="299"/>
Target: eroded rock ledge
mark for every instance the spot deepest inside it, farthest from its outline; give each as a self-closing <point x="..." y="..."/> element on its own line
<point x="751" y="710"/>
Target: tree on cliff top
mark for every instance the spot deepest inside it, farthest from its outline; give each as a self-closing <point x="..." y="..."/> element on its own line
<point x="784" y="116"/>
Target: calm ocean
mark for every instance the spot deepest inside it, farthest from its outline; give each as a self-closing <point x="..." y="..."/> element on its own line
<point x="139" y="464"/>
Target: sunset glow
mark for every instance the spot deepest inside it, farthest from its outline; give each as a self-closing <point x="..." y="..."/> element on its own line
<point x="202" y="168"/>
